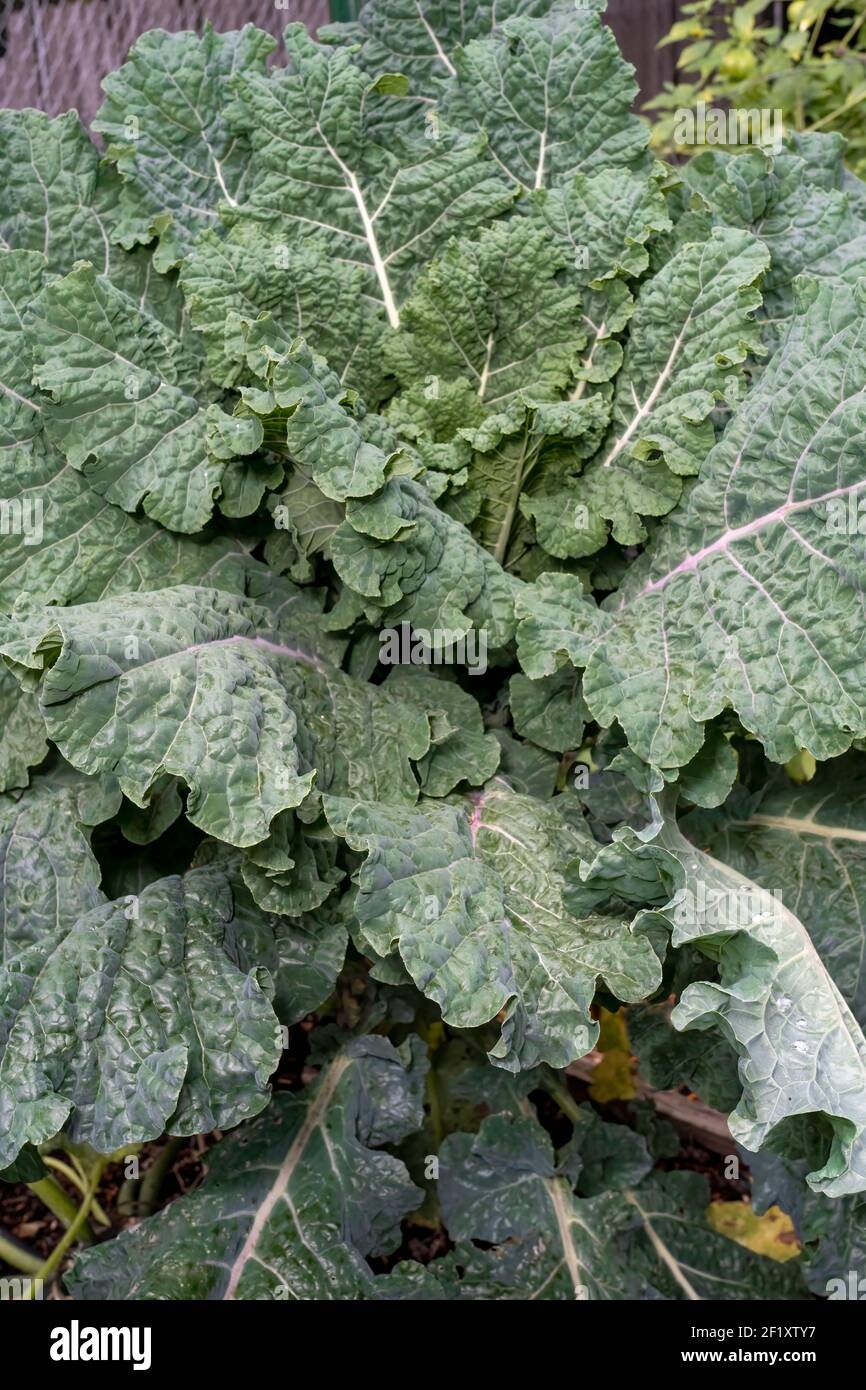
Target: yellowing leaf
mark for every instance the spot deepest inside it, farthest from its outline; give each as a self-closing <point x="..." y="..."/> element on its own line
<point x="772" y="1234"/>
<point x="613" y="1032"/>
<point x="613" y="1078"/>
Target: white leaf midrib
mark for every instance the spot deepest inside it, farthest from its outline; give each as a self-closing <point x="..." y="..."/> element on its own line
<point x="369" y="230"/>
<point x="280" y="1186"/>
<point x="797" y="825"/>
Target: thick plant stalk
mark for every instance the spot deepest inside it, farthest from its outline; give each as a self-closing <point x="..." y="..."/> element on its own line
<point x="13" y="1253"/>
<point x="58" y="1202"/>
<point x="127" y="1198"/>
<point x="76" y="1228"/>
<point x="155" y="1175"/>
<point x="78" y="1180"/>
<point x="559" y="1091"/>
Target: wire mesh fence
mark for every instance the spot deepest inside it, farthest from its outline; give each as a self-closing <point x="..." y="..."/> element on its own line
<point x="53" y="53"/>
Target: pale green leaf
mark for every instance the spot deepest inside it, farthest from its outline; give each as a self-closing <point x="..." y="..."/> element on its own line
<point x="218" y="691"/>
<point x="165" y="123"/>
<point x="132" y="1020"/>
<point x="553" y="94"/>
<point x="50" y="876"/>
<point x="471" y="896"/>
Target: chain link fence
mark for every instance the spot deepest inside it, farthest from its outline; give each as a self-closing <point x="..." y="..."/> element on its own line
<point x="53" y="53"/>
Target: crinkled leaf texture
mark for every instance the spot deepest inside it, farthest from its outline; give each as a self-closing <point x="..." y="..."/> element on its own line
<point x="292" y="1204"/>
<point x="802" y="1052"/>
<point x="50" y="876"/>
<point x="562" y="95"/>
<point x="316" y="378"/>
<point x="589" y="1223"/>
<point x="284" y="929"/>
<point x="691" y="328"/>
<point x="165" y="123"/>
<point x="125" y="406"/>
<point x="399" y="36"/>
<point x="471" y="898"/>
<point x="183" y="682"/>
<point x="135" y="1019"/>
<point x="749" y="592"/>
<point x="315" y="169"/>
<point x="809" y="844"/>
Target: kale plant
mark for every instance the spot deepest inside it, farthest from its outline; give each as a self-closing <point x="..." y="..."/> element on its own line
<point x="432" y="573"/>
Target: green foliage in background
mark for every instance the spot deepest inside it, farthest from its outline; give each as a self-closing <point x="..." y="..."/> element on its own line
<point x="811" y="66"/>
